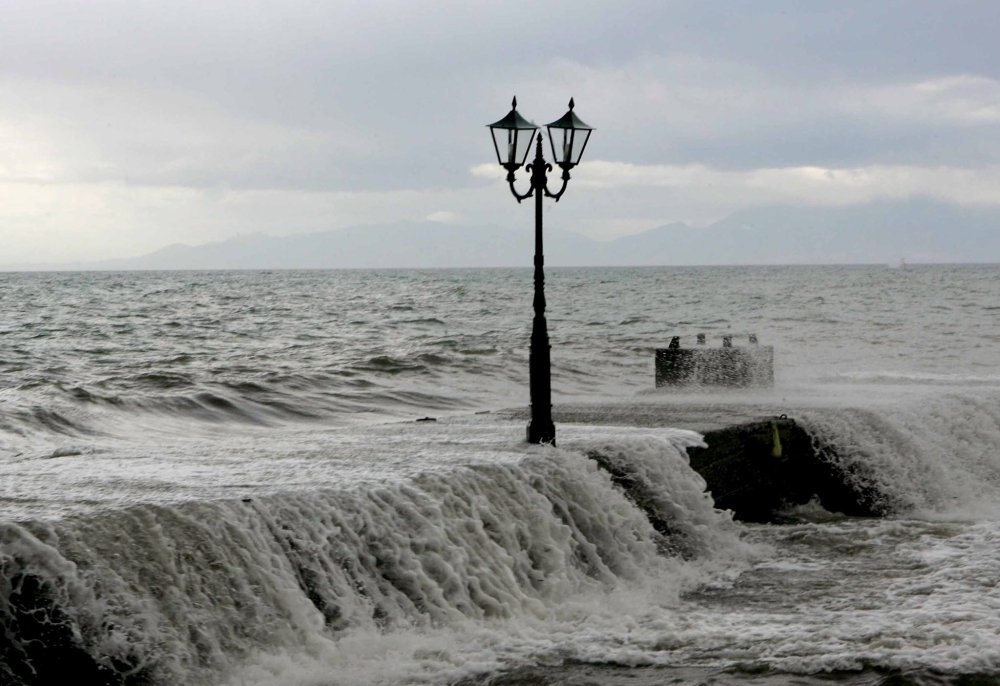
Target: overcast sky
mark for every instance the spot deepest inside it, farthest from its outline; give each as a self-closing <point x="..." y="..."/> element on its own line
<point x="129" y="125"/>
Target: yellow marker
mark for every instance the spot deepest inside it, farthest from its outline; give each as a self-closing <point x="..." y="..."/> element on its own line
<point x="775" y="441"/>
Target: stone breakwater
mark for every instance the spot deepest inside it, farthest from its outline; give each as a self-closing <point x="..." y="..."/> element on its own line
<point x="754" y="464"/>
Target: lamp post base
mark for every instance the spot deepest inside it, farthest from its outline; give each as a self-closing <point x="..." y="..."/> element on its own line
<point x="541" y="431"/>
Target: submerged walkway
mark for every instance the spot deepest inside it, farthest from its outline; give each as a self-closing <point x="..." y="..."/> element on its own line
<point x="756" y="463"/>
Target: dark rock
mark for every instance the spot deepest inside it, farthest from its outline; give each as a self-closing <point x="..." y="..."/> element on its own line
<point x="758" y="469"/>
<point x="42" y="645"/>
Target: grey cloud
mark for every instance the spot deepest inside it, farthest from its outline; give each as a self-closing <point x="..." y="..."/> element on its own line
<point x="386" y="96"/>
<point x="410" y="76"/>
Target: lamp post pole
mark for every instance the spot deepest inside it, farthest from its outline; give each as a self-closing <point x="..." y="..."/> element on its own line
<point x="512" y="138"/>
<point x="541" y="429"/>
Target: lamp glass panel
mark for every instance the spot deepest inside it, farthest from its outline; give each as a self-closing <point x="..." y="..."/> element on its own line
<point x="501" y="141"/>
<point x="524" y="138"/>
<point x="567" y="144"/>
<point x="564" y="145"/>
<point x="512" y="145"/>
<point x="556" y="141"/>
<point x="579" y="143"/>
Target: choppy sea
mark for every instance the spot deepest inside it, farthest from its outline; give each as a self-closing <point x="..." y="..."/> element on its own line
<point x="217" y="478"/>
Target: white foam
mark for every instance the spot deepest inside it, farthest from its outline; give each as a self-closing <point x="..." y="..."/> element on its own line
<point x="438" y="532"/>
<point x="930" y="453"/>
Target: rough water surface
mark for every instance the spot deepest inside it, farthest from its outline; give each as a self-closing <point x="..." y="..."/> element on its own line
<point x="215" y="478"/>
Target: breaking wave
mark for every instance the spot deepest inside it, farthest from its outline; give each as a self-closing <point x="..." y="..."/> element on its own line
<point x="185" y="593"/>
<point x="927" y="453"/>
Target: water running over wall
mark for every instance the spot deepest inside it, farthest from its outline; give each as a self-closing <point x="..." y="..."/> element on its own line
<point x="174" y="593"/>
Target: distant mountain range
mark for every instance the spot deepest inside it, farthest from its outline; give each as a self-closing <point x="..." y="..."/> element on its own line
<point x="884" y="232"/>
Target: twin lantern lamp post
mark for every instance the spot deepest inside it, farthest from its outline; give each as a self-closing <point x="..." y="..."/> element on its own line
<point x="512" y="138"/>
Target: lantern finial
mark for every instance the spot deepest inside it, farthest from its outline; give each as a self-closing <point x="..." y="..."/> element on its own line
<point x="513" y="103"/>
<point x="571" y="103"/>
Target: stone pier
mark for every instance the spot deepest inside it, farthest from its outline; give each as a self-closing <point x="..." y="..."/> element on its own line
<point x="756" y="464"/>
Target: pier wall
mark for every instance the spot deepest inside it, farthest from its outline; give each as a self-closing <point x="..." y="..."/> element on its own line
<point x="728" y="366"/>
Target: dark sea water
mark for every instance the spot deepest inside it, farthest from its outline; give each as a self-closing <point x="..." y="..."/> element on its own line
<point x="216" y="478"/>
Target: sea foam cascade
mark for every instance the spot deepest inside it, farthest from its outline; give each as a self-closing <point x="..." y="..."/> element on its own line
<point x="174" y="592"/>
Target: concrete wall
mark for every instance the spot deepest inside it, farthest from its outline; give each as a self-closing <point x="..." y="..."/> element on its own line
<point x="729" y="367"/>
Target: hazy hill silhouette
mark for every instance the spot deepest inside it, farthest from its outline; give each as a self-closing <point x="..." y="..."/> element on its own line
<point x="919" y="230"/>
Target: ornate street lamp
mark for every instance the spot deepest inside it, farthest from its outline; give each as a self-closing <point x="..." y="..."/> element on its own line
<point x="568" y="137"/>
